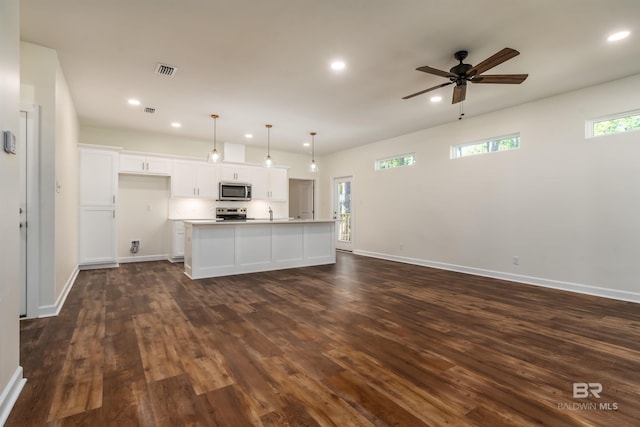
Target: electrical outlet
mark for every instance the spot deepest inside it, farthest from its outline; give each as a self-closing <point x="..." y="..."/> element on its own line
<point x="135" y="246"/>
<point x="516" y="260"/>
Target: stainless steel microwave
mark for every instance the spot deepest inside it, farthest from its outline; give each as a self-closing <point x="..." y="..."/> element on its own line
<point x="234" y="191"/>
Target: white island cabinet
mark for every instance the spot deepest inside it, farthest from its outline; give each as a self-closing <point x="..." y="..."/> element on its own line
<point x="214" y="249"/>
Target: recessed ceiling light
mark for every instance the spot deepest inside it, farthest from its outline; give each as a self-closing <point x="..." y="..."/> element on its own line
<point x="176" y="125"/>
<point x="436" y="98"/>
<point x="134" y="101"/>
<point x="307" y="144"/>
<point x="248" y="135"/>
<point x="338" y="65"/>
<point x="618" y="36"/>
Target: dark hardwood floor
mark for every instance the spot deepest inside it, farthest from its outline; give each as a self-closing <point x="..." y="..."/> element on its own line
<point x="363" y="342"/>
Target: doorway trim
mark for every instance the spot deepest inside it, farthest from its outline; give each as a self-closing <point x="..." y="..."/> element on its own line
<point x="32" y="151"/>
<point x="312" y="182"/>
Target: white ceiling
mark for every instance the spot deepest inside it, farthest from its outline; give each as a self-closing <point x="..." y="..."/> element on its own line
<point x="267" y="61"/>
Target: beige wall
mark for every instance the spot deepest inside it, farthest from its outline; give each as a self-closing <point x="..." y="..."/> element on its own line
<point x="142" y="215"/>
<point x="10" y="371"/>
<point x="66" y="186"/>
<point x="566" y="206"/>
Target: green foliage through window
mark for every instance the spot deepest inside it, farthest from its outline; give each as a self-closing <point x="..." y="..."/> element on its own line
<point x="503" y="143"/>
<point x="394" y="162"/>
<point x="625" y="123"/>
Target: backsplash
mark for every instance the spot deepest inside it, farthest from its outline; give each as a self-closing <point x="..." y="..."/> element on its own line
<point x="180" y="208"/>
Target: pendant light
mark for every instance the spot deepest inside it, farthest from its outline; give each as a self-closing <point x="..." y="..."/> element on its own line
<point x="313" y="167"/>
<point x="267" y="160"/>
<point x="213" y="156"/>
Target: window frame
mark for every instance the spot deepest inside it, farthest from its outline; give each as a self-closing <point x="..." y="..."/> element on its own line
<point x="453" y="154"/>
<point x="590" y="124"/>
<point x="376" y="163"/>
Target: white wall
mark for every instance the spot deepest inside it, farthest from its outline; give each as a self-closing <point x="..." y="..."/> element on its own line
<point x="566" y="206"/>
<point x="177" y="145"/>
<point x="142" y="215"/>
<point x="44" y="84"/>
<point x="10" y="371"/>
<point x="38" y="71"/>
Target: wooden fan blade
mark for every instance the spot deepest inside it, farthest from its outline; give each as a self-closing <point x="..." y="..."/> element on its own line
<point x="501" y="78"/>
<point x="496" y="59"/>
<point x="427" y="90"/>
<point x="435" y="71"/>
<point x="459" y="93"/>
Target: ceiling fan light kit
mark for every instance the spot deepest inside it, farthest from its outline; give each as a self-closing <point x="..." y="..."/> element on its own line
<point x="462" y="73"/>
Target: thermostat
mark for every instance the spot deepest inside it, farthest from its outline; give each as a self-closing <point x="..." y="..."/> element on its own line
<point x="9" y="142"/>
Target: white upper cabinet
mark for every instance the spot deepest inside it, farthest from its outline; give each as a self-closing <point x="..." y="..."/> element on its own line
<point x="147" y="165"/>
<point x="98" y="177"/>
<point x="269" y="184"/>
<point x="239" y="173"/>
<point x="279" y="184"/>
<point x="207" y="178"/>
<point x="194" y="179"/>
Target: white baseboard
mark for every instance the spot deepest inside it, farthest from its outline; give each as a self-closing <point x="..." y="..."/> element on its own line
<point x="98" y="266"/>
<point x="10" y="394"/>
<point x="54" y="310"/>
<point x="143" y="258"/>
<point x="537" y="281"/>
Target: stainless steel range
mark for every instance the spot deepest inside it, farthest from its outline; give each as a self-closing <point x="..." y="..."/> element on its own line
<point x="231" y="214"/>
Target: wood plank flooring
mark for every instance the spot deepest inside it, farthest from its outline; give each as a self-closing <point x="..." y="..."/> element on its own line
<point x="365" y="342"/>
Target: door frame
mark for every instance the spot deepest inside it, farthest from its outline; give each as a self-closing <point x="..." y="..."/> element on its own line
<point x="313" y="194"/>
<point x="334" y="179"/>
<point x="32" y="152"/>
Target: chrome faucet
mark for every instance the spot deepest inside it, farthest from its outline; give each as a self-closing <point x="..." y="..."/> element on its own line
<point x="270" y="214"/>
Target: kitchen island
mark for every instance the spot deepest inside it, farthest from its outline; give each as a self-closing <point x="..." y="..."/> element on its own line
<point x="222" y="248"/>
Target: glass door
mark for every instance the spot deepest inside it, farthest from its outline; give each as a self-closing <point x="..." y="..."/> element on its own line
<point x="343" y="212"/>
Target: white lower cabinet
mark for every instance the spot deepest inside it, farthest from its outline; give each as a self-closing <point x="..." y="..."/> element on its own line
<point x="177" y="240"/>
<point x="98" y="235"/>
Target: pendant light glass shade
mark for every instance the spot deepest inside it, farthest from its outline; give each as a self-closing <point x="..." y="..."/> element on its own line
<point x="267" y="160"/>
<point x="214" y="156"/>
<point x="313" y="166"/>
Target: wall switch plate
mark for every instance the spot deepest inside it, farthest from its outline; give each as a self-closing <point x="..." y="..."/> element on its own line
<point x="9" y="142"/>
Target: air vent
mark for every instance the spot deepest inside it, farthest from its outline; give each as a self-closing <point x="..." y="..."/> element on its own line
<point x="165" y="70"/>
<point x="149" y="110"/>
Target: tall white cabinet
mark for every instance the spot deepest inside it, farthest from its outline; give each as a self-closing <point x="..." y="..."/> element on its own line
<point x="98" y="203"/>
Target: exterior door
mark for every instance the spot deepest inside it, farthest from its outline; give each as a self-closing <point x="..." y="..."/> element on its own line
<point x="343" y="212"/>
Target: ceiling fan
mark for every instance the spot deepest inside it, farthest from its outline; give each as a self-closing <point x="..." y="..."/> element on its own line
<point x="463" y="73"/>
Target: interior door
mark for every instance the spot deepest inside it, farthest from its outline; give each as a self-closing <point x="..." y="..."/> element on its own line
<point x="343" y="212"/>
<point x="301" y="198"/>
